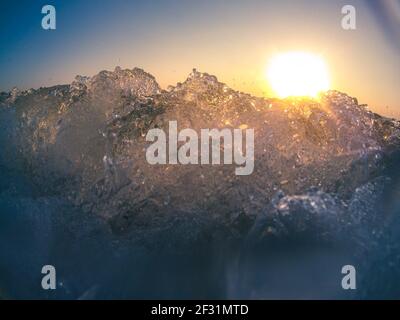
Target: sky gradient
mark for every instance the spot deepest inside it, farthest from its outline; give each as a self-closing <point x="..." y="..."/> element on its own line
<point x="233" y="40"/>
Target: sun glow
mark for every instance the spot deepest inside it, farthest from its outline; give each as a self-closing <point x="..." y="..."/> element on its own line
<point x="297" y="74"/>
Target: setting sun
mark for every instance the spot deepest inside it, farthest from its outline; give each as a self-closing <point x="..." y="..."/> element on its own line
<point x="297" y="74"/>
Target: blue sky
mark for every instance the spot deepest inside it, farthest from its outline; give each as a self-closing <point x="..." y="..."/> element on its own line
<point x="231" y="39"/>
